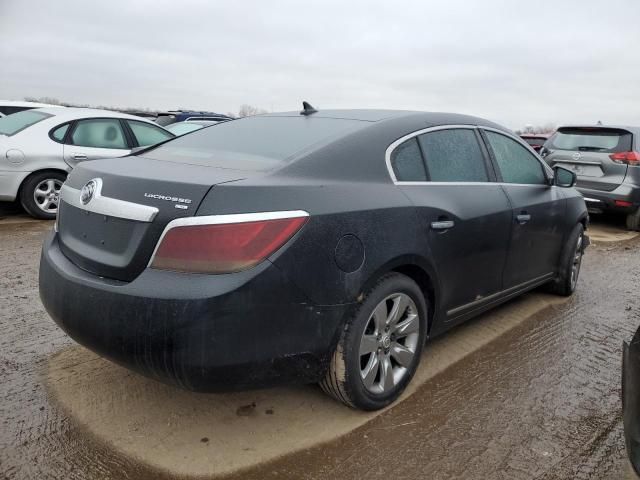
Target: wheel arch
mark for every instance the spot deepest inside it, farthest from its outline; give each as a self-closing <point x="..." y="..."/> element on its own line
<point x="420" y="271"/>
<point x="37" y="172"/>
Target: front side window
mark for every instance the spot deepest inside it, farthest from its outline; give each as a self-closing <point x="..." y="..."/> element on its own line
<point x="14" y="123"/>
<point x="148" y="134"/>
<point x="99" y="133"/>
<point x="453" y="155"/>
<point x="407" y="164"/>
<point x="515" y="162"/>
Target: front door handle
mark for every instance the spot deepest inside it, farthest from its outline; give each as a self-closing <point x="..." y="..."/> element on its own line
<point x="523" y="218"/>
<point x="79" y="156"/>
<point x="442" y="225"/>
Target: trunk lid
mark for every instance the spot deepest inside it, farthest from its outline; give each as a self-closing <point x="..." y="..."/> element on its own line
<point x="586" y="151"/>
<point x="116" y="232"/>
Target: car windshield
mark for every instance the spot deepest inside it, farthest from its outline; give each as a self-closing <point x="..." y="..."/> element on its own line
<point x="183" y="127"/>
<point x="607" y="140"/>
<point x="16" y="122"/>
<point x="253" y="143"/>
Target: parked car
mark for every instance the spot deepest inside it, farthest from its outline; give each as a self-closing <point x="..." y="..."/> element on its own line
<point x="181" y="128"/>
<point x="535" y="141"/>
<point x="7" y="107"/>
<point x="167" y="118"/>
<point x="323" y="247"/>
<point x="40" y="146"/>
<point x="631" y="398"/>
<point x="607" y="163"/>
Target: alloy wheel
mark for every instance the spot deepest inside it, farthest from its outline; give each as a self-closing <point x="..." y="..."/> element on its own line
<point x="389" y="343"/>
<point x="47" y="195"/>
<point x="577" y="262"/>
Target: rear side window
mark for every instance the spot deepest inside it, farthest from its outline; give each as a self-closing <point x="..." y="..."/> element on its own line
<point x="516" y="163"/>
<point x="60" y="132"/>
<point x="407" y="164"/>
<point x="606" y="140"/>
<point x="253" y="143"/>
<point x="148" y="134"/>
<point x="453" y="155"/>
<point x="99" y="133"/>
<point x="12" y="124"/>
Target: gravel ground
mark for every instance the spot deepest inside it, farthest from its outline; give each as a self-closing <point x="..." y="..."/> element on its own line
<point x="541" y="401"/>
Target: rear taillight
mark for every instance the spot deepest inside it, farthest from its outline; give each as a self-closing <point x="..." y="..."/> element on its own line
<point x="626" y="158"/>
<point x="224" y="243"/>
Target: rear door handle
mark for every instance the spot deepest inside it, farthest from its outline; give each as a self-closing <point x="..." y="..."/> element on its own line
<point x="523" y="218"/>
<point x="442" y="225"/>
<point x="79" y="156"/>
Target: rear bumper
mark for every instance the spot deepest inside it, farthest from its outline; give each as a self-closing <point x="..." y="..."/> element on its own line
<point x="10" y="182"/>
<point x="201" y="332"/>
<point x="631" y="400"/>
<point x="599" y="201"/>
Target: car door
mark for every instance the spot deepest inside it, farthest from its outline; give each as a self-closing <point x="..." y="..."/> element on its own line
<point x="465" y="214"/>
<point x="145" y="134"/>
<point x="537" y="210"/>
<point x="94" y="138"/>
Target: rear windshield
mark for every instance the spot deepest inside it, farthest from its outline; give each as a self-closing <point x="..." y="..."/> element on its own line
<point x="606" y="140"/>
<point x="252" y="143"/>
<point x="16" y="122"/>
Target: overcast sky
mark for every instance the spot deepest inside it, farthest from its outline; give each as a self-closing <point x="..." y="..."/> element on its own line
<point x="552" y="61"/>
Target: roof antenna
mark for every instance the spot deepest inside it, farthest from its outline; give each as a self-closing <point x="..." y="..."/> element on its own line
<point x="307" y="109"/>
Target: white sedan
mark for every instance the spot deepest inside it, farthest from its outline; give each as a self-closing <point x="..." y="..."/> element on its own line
<point x="39" y="147"/>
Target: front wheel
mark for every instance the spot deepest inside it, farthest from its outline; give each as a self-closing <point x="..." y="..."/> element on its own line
<point x="379" y="349"/>
<point x="39" y="194"/>
<point x="570" y="263"/>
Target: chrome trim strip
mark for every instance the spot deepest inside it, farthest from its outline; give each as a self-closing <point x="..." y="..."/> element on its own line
<point x="499" y="295"/>
<point x="577" y="162"/>
<point x="401" y="140"/>
<point x="392" y="147"/>
<point x="224" y="220"/>
<point x="111" y="207"/>
<point x="594" y="200"/>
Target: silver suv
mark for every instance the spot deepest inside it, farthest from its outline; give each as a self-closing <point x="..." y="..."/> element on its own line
<point x="606" y="160"/>
<point x="39" y="147"/>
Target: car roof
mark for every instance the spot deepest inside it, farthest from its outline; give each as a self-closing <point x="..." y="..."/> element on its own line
<point x="19" y="103"/>
<point x="75" y="113"/>
<point x="420" y="119"/>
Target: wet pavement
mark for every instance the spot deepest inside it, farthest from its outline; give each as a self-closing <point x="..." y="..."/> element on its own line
<point x="541" y="400"/>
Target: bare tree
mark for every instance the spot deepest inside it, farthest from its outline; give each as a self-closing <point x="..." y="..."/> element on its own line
<point x="249" y="110"/>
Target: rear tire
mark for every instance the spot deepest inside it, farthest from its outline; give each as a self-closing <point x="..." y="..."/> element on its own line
<point x="633" y="221"/>
<point x="570" y="263"/>
<point x="380" y="346"/>
<point x="40" y="193"/>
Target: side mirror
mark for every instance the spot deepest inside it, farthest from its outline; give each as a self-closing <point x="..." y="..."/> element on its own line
<point x="563" y="177"/>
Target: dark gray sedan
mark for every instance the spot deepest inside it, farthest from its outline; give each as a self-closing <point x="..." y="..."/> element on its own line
<point x="306" y="247"/>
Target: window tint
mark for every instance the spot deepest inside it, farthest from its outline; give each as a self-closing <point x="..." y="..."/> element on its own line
<point x="516" y="163"/>
<point x="99" y="133"/>
<point x="253" y="143"/>
<point x="148" y="134"/>
<point x="60" y="132"/>
<point x="407" y="164"/>
<point x="453" y="156"/>
<point x="14" y="123"/>
<point x="594" y="139"/>
<point x="181" y="128"/>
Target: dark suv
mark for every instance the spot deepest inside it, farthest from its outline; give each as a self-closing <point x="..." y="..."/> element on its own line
<point x="607" y="163"/>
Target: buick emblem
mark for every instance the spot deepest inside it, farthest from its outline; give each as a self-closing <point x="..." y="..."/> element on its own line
<point x="577" y="155"/>
<point x="89" y="190"/>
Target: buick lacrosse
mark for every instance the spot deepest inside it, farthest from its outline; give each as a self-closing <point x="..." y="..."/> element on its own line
<point x="301" y="247"/>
